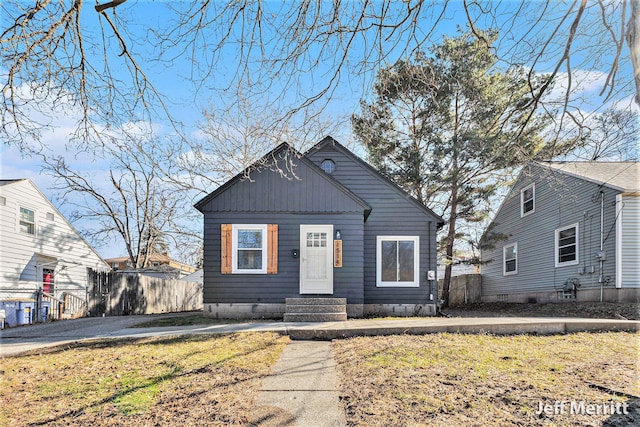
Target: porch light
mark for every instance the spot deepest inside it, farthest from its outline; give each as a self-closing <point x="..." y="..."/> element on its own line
<point x="338" y="235"/>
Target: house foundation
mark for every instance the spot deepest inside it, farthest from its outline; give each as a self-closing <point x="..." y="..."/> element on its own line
<point x="277" y="311"/>
<point x="400" y="310"/>
<point x="624" y="295"/>
<point x="234" y="310"/>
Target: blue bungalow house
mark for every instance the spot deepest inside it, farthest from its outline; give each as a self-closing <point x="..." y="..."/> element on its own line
<point x="317" y="236"/>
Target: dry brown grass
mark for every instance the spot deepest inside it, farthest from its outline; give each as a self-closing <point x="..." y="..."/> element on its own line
<point x="593" y="310"/>
<point x="482" y="380"/>
<point x="195" y="380"/>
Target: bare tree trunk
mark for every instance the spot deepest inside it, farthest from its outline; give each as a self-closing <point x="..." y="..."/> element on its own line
<point x="634" y="44"/>
<point x="451" y="236"/>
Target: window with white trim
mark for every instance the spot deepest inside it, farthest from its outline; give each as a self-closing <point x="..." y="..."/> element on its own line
<point x="566" y="246"/>
<point x="27" y="221"/>
<point x="528" y="200"/>
<point x="510" y="259"/>
<point x="249" y="248"/>
<point x="398" y="261"/>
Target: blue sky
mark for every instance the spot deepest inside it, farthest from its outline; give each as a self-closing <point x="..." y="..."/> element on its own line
<point x="178" y="79"/>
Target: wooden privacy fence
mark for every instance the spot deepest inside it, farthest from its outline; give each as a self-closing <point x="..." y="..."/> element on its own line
<point x="465" y="289"/>
<point x="116" y="294"/>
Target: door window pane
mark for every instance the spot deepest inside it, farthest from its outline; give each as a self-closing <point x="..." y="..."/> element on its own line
<point x="47" y="280"/>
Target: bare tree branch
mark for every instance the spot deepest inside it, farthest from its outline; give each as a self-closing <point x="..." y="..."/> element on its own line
<point x="102" y="7"/>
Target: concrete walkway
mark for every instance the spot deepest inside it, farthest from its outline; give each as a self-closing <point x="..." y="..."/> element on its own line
<point x="302" y="389"/>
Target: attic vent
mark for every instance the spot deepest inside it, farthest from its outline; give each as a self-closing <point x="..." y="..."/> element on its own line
<point x="49" y="216"/>
<point x="328" y="166"/>
<point x="3" y="201"/>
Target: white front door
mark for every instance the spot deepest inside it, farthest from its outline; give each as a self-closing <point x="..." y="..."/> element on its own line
<point x="316" y="259"/>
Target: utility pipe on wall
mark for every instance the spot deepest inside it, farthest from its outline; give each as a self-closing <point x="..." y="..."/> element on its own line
<point x="601" y="254"/>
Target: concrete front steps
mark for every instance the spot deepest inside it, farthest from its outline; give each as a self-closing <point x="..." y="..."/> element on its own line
<point x="315" y="309"/>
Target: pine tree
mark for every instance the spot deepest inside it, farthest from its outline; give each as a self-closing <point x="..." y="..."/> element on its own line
<point x="445" y="126"/>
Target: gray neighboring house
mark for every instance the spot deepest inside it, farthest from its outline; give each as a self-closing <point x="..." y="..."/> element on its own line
<point x="322" y="224"/>
<point x="571" y="231"/>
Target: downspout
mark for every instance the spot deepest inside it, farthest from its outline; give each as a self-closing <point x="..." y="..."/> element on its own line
<point x="429" y="266"/>
<point x="601" y="254"/>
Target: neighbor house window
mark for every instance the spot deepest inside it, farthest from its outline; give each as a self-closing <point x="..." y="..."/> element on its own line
<point x="528" y="200"/>
<point x="249" y="248"/>
<point x="398" y="261"/>
<point x="567" y="245"/>
<point x="510" y="257"/>
<point x="27" y="221"/>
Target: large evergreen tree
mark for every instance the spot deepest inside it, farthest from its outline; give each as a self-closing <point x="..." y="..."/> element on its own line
<point x="444" y="126"/>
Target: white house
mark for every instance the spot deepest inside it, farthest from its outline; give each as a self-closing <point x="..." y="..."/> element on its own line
<point x="39" y="248"/>
<point x="568" y="231"/>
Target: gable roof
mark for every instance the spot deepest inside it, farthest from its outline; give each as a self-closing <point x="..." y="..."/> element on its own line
<point x="10" y="181"/>
<point x="328" y="140"/>
<point x="622" y="176"/>
<point x="264" y="160"/>
<point x="4" y="182"/>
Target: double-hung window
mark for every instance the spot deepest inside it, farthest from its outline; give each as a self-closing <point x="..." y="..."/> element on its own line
<point x="567" y="245"/>
<point x="510" y="259"/>
<point x="27" y="221"/>
<point x="527" y="200"/>
<point x="249" y="249"/>
<point x="398" y="261"/>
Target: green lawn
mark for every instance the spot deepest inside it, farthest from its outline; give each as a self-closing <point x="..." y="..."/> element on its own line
<point x="151" y="381"/>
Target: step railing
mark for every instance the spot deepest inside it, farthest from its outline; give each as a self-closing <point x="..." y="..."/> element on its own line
<point x="68" y="306"/>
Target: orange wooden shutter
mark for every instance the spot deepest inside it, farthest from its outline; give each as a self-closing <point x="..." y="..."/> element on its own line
<point x="226" y="249"/>
<point x="272" y="249"/>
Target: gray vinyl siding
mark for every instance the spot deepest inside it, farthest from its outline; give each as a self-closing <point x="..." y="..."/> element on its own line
<point x="630" y="242"/>
<point x="560" y="200"/>
<point x="302" y="189"/>
<point x="274" y="288"/>
<point x="392" y="214"/>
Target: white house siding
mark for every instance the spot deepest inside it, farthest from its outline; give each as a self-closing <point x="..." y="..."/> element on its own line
<point x="560" y="200"/>
<point x="629" y="244"/>
<point x="56" y="245"/>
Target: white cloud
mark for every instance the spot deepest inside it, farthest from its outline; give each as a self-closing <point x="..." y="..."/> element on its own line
<point x="583" y="84"/>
